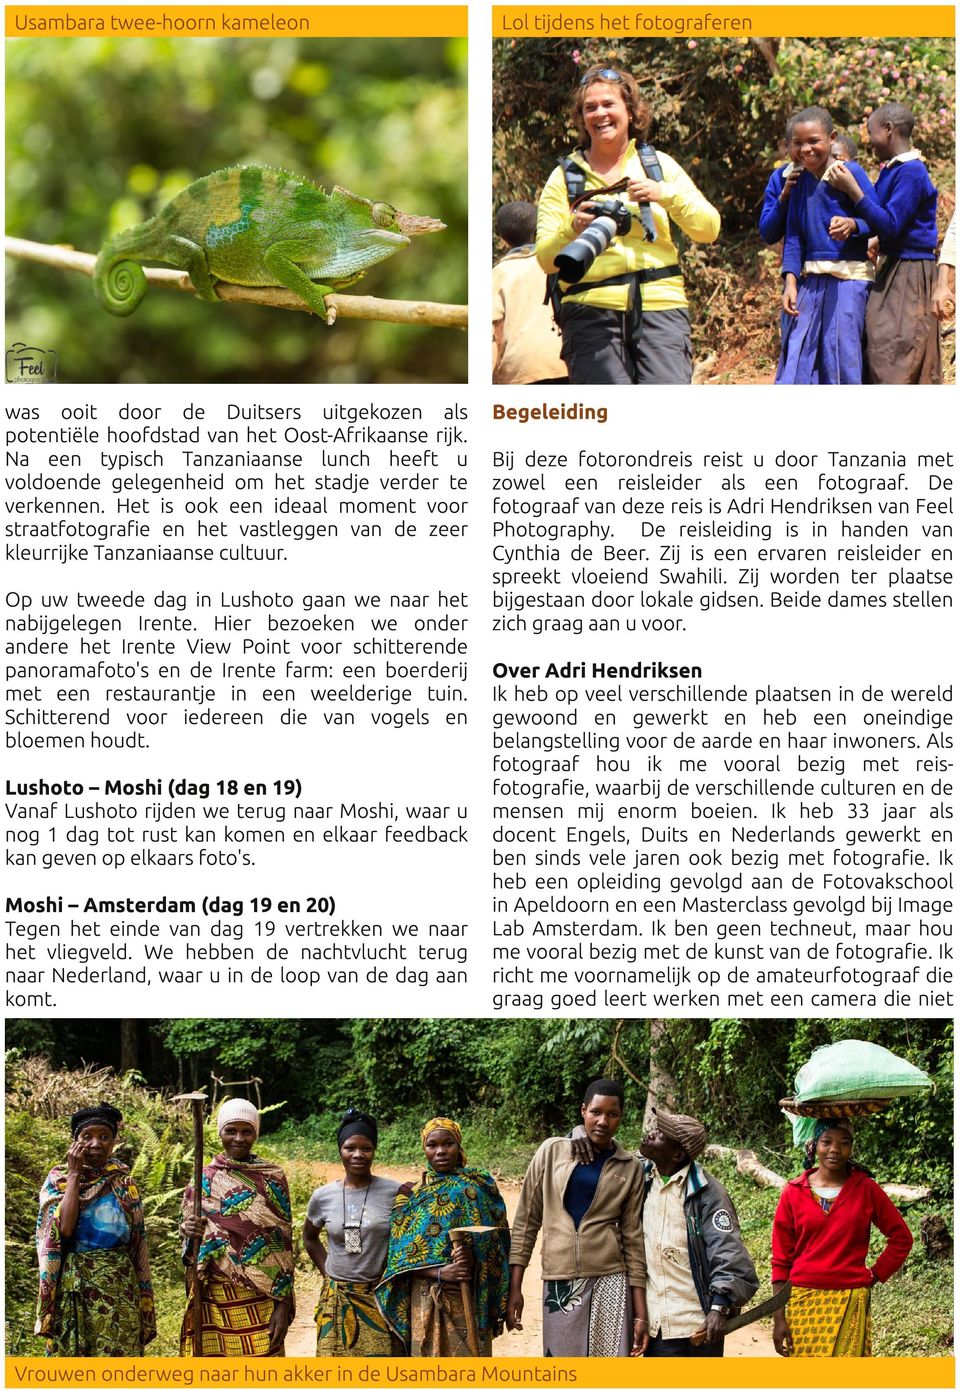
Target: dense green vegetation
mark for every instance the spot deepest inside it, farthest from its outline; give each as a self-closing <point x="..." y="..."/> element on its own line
<point x="719" y="108"/>
<point x="102" y="132"/>
<point x="509" y="1082"/>
<point x="156" y="1143"/>
<point x="526" y="1075"/>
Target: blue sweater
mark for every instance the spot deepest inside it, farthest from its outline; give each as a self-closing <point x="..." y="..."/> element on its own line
<point x="812" y="204"/>
<point x="773" y="214"/>
<point x="582" y="1186"/>
<point x="902" y="211"/>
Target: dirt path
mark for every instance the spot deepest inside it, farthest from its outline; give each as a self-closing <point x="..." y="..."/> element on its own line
<point x="302" y="1337"/>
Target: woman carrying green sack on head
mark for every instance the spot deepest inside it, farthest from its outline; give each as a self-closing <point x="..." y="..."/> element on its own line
<point x="821" y="1242"/>
<point x="445" y="1296"/>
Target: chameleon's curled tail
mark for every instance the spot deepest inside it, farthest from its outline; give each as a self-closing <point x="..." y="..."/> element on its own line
<point x="120" y="284"/>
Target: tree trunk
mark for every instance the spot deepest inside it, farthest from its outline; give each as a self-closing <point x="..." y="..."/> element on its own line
<point x="129" y="1050"/>
<point x="748" y="1163"/>
<point x="768" y="48"/>
<point x="661" y="1088"/>
<point x="158" y="1060"/>
<point x="906" y="1192"/>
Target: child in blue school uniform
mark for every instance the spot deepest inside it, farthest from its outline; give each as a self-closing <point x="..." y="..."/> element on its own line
<point x="903" y="334"/>
<point x="776" y="195"/>
<point x="843" y="147"/>
<point x="781" y="183"/>
<point x="827" y="274"/>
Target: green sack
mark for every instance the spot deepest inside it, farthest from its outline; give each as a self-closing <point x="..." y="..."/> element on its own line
<point x="853" y="1070"/>
<point x="804" y="1128"/>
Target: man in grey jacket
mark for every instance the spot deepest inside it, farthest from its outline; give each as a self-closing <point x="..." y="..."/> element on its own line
<point x="698" y="1269"/>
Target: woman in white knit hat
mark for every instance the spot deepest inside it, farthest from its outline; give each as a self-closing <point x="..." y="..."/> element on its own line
<point x="245" y="1262"/>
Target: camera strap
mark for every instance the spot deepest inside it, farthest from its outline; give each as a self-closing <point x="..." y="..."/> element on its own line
<point x="629" y="277"/>
<point x="575" y="178"/>
<point x="651" y="162"/>
<point x="634" y="278"/>
<point x="593" y="193"/>
<point x="651" y="167"/>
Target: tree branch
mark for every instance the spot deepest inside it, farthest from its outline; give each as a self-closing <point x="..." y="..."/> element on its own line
<point x="393" y="311"/>
<point x="748" y="1164"/>
<point x="768" y="48"/>
<point x="615" y="1053"/>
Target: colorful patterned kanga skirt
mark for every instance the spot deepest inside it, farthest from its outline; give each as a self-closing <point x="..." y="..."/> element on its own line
<point x="98" y="1306"/>
<point x="234" y="1321"/>
<point x="829" y="1323"/>
<point x="350" y="1324"/>
<point x="587" y="1317"/>
<point x="438" y="1322"/>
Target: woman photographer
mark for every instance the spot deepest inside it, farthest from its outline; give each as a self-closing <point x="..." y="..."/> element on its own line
<point x="625" y="321"/>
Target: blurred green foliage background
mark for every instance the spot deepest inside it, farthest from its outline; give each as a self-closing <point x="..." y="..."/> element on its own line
<point x="101" y="132"/>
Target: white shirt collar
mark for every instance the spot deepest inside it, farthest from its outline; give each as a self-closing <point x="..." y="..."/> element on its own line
<point x="903" y="158"/>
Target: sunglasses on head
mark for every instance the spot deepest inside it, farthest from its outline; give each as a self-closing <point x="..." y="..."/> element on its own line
<point x="602" y="75"/>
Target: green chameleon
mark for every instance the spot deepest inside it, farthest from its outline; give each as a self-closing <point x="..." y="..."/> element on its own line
<point x="252" y="225"/>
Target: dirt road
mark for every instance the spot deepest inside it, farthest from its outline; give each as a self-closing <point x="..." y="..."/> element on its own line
<point x="302" y="1337"/>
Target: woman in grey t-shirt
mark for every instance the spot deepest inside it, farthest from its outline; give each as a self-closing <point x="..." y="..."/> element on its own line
<point x="354" y="1212"/>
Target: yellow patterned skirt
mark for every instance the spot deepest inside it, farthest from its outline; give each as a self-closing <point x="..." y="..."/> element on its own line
<point x="829" y="1323"/>
<point x="234" y="1321"/>
<point x="350" y="1324"/>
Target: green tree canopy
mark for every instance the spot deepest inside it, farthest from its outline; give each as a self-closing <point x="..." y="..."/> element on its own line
<point x="529" y="1074"/>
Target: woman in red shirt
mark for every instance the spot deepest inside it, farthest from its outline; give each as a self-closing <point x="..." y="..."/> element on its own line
<point x="821" y="1237"/>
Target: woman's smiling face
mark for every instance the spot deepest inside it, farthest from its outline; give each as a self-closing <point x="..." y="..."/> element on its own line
<point x="237" y="1139"/>
<point x="814" y="146"/>
<point x="605" y="116"/>
<point x="833" y="1150"/>
<point x="357" y="1154"/>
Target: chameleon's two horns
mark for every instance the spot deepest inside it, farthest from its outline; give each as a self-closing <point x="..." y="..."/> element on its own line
<point x="413" y="226"/>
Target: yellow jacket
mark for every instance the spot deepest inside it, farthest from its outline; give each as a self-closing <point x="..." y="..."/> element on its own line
<point x="681" y="200"/>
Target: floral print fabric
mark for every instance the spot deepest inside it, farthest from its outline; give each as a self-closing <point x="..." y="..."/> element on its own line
<point x="56" y="1255"/>
<point x="419" y="1240"/>
<point x="248" y="1229"/>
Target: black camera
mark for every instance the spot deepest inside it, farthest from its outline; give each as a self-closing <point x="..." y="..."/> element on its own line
<point x="611" y="219"/>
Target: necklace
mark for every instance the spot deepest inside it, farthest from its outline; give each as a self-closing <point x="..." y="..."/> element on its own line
<point x="353" y="1231"/>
